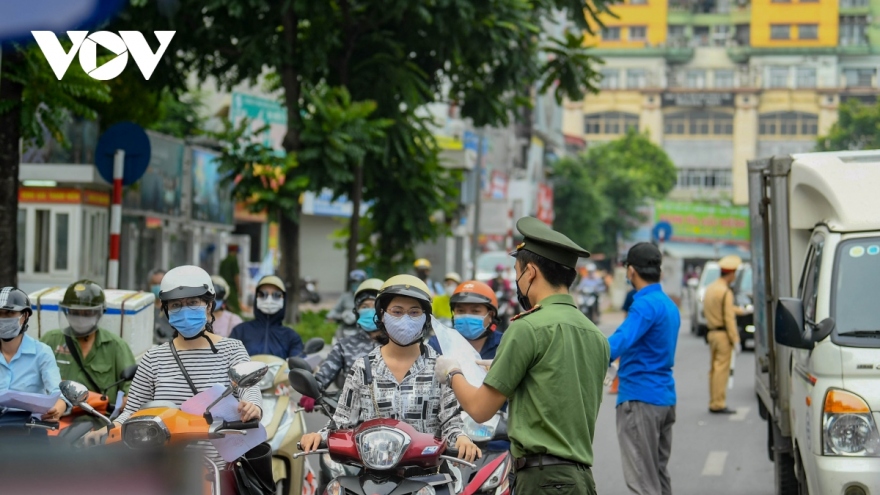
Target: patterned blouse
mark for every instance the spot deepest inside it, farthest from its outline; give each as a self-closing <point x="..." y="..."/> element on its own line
<point x="419" y="400"/>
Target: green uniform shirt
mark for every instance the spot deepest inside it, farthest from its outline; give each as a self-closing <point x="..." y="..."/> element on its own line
<point x="108" y="357"/>
<point x="551" y="364"/>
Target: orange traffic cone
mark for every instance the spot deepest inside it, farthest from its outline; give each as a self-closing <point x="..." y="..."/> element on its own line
<point x="613" y="389"/>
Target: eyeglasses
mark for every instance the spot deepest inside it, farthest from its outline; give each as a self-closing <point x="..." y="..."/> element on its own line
<point x="397" y="312"/>
<point x="192" y="303"/>
<point x="273" y="295"/>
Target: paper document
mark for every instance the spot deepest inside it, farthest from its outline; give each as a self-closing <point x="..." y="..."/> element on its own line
<point x="225" y="409"/>
<point x="36" y="403"/>
<point x="234" y="446"/>
<point x="454" y="345"/>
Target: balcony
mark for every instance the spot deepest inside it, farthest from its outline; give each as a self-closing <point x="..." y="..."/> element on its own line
<point x="672" y="54"/>
<point x="700" y="6"/>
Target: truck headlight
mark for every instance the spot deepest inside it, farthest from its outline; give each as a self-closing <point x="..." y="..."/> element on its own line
<point x="144" y="432"/>
<point x="848" y="426"/>
<point x="381" y="448"/>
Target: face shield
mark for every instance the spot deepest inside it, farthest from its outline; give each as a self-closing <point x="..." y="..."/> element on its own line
<point x="83" y="320"/>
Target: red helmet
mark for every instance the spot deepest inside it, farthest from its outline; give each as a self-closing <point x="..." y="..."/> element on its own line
<point x="473" y="291"/>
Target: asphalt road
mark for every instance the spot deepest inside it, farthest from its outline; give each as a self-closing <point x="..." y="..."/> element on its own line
<point x="722" y="455"/>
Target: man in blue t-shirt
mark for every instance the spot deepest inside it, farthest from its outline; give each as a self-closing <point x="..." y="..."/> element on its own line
<point x="645" y="344"/>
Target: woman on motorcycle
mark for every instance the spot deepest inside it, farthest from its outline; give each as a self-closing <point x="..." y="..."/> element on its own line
<point x="403" y="382"/>
<point x="224" y="320"/>
<point x="187" y="296"/>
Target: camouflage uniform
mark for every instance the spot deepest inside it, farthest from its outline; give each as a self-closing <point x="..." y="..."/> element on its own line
<point x="342" y="357"/>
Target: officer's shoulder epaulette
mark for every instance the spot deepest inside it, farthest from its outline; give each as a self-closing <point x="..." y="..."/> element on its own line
<point x="526" y="313"/>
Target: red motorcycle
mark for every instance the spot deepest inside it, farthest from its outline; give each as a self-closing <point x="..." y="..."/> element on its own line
<point x="390" y="454"/>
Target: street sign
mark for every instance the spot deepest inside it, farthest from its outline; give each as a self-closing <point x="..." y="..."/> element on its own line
<point x="662" y="231"/>
<point x="130" y="138"/>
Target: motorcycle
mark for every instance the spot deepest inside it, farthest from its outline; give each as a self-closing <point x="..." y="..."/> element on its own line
<point x="389" y="455"/>
<point x="589" y="303"/>
<point x="100" y="403"/>
<point x="308" y="290"/>
<point x="284" y="428"/>
<point x="162" y="423"/>
<point x="491" y="476"/>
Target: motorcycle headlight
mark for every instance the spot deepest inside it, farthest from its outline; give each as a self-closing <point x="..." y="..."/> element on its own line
<point x="426" y="490"/>
<point x="336" y="469"/>
<point x="479" y="432"/>
<point x="498" y="477"/>
<point x="144" y="431"/>
<point x="334" y="488"/>
<point x="268" y="380"/>
<point x="381" y="448"/>
<point x="848" y="426"/>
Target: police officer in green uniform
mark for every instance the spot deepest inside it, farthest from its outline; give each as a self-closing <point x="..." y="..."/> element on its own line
<point x="85" y="353"/>
<point x="551" y="364"/>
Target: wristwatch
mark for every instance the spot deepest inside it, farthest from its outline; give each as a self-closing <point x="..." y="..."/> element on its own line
<point x="450" y="375"/>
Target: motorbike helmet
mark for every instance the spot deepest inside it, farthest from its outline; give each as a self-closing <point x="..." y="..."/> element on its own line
<point x="189" y="281"/>
<point x="368" y="289"/>
<point x="221" y="288"/>
<point x="357" y="276"/>
<point x="404" y="285"/>
<point x="476" y="292"/>
<point x="83" y="303"/>
<point x="13" y="299"/>
<point x="422" y="264"/>
<point x="455" y="277"/>
<point x="499" y="268"/>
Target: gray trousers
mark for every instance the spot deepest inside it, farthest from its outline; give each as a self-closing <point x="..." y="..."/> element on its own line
<point x="645" y="435"/>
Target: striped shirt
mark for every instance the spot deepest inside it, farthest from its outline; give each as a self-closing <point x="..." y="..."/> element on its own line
<point x="160" y="378"/>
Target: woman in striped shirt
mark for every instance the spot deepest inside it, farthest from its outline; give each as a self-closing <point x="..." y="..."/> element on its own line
<point x="187" y="296"/>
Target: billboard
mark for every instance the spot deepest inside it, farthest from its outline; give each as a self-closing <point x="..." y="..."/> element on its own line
<point x="695" y="222"/>
<point x="261" y="112"/>
<point x="160" y="189"/>
<point x="211" y="199"/>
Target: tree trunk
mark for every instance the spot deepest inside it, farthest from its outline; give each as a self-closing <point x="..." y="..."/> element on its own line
<point x="357" y="192"/>
<point x="288" y="243"/>
<point x="10" y="134"/>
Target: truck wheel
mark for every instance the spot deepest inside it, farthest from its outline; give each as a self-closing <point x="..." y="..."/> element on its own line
<point x="783" y="464"/>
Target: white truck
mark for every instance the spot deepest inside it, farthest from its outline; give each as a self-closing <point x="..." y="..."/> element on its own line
<point x="815" y="229"/>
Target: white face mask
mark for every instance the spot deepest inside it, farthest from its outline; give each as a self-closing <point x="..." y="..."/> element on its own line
<point x="270" y="306"/>
<point x="450" y="288"/>
<point x="83" y="325"/>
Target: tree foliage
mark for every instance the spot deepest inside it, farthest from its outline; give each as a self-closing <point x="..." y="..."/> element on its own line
<point x="597" y="194"/>
<point x="857" y="128"/>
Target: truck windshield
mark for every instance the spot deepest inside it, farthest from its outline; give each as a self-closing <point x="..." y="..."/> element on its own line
<point x="710" y="274"/>
<point x="855" y="295"/>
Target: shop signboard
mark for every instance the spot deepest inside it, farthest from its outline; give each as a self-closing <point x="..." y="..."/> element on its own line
<point x="704" y="223"/>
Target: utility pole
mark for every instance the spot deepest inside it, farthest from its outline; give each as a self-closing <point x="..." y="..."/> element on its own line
<point x="478" y="193"/>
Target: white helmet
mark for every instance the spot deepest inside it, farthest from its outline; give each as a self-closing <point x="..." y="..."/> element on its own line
<point x="185" y="281"/>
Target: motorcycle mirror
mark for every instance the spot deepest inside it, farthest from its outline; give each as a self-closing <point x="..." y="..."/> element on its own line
<point x="128" y="373"/>
<point x="303" y="382"/>
<point x="314" y="345"/>
<point x="76" y="393"/>
<point x="247" y="374"/>
<point x="299" y="363"/>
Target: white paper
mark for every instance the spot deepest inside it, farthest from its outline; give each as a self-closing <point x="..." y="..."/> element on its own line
<point x="35" y="403"/>
<point x="225" y="409"/>
<point x="234" y="446"/>
<point x="454" y="345"/>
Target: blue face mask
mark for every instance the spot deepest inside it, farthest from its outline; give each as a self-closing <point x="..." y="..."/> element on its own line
<point x="189" y="321"/>
<point x="365" y="319"/>
<point x="218" y="303"/>
<point x="470" y="327"/>
<point x="155" y="289"/>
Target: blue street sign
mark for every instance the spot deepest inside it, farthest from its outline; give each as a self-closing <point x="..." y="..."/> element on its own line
<point x="662" y="231"/>
<point x="131" y="138"/>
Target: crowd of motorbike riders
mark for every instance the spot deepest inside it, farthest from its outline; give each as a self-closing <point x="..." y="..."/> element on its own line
<point x="206" y="335"/>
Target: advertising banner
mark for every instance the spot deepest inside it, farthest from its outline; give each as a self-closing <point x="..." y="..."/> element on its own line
<point x="704" y="223"/>
<point x="212" y="200"/>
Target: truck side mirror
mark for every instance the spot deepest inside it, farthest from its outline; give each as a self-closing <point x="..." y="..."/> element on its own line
<point x="823" y="329"/>
<point x="789" y="328"/>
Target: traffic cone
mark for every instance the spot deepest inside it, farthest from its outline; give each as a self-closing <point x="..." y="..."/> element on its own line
<point x="613" y="389"/>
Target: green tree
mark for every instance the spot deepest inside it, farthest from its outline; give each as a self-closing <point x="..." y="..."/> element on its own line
<point x="857" y="128"/>
<point x="597" y="195"/>
<point x="33" y="99"/>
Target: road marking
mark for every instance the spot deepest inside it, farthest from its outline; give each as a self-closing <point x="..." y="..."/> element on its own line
<point x="715" y="464"/>
<point x="741" y="413"/>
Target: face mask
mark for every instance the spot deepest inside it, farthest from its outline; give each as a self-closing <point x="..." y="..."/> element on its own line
<point x="189" y="322"/>
<point x="156" y="289"/>
<point x="450" y="288"/>
<point x="523" y="299"/>
<point x="9" y="328"/>
<point x="218" y="303"/>
<point x="404" y="330"/>
<point x="83" y="325"/>
<point x="470" y="327"/>
<point x="270" y="306"/>
<point x="365" y="319"/>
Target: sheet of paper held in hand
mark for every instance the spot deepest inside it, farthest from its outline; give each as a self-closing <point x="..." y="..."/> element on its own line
<point x="453" y="344"/>
<point x="36" y="403"/>
<point x="232" y="446"/>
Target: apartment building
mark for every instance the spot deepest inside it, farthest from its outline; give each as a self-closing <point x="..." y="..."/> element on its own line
<point x="717" y="82"/>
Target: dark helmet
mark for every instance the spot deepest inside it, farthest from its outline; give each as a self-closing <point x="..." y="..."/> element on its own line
<point x="13" y="299"/>
<point x="83" y="294"/>
<point x="357" y="276"/>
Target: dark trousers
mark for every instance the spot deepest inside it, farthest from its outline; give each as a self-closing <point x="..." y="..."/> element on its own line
<point x="645" y="435"/>
<point x="566" y="479"/>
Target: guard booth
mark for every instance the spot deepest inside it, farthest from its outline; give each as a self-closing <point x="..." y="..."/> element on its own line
<point x="63" y="228"/>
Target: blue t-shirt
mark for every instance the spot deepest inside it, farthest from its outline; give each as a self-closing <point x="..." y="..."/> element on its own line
<point x="645" y="344"/>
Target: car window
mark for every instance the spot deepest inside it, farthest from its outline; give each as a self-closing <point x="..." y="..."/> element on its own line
<point x="810" y="282"/>
<point x="710" y="274"/>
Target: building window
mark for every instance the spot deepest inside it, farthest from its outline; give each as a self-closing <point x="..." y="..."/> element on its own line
<point x="695" y="79"/>
<point x="676" y="35"/>
<point x="743" y="34"/>
<point x="808" y="31"/>
<point x="635" y="78"/>
<point x="788" y="124"/>
<point x="41" y="241"/>
<point x="703" y="178"/>
<point x="610" y="78"/>
<point x="806" y="77"/>
<point x="62" y="239"/>
<point x="780" y="31"/>
<point x="638" y="2"/>
<point x="778" y="77"/>
<point x="849" y="4"/>
<point x="638" y="33"/>
<point x="724" y="78"/>
<point x="610" y="122"/>
<point x="852" y="30"/>
<point x="698" y="123"/>
<point x="701" y="36"/>
<point x="859" y="78"/>
<point x="611" y="34"/>
<point x="720" y="34"/>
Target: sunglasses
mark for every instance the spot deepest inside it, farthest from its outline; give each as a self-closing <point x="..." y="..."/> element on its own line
<point x="274" y="295"/>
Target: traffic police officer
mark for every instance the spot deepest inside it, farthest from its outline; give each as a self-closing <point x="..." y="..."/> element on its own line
<point x="723" y="335"/>
<point x="551" y="364"/>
